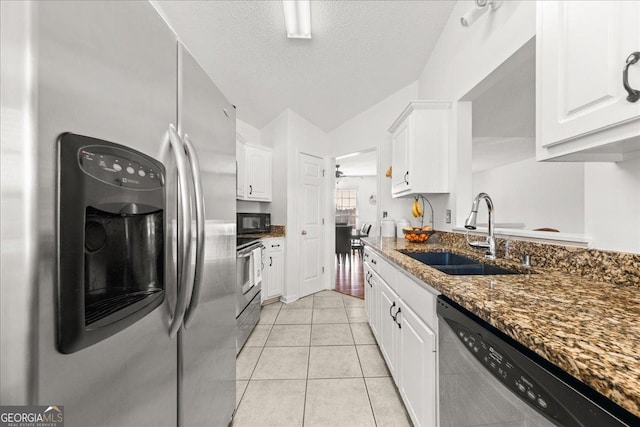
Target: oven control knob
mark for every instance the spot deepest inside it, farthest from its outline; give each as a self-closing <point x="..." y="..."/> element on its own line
<point x="130" y="170"/>
<point x="521" y="388"/>
<point x="117" y="167"/>
<point x="531" y="395"/>
<point x="542" y="403"/>
<point x="141" y="172"/>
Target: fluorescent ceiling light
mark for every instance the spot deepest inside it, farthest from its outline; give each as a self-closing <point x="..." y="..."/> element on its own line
<point x="297" y="16"/>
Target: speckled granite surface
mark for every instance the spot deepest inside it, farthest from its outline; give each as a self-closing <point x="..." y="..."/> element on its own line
<point x="603" y="266"/>
<point x="276" y="231"/>
<point x="589" y="328"/>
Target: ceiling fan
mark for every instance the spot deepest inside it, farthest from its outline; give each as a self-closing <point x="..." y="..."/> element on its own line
<point x="339" y="173"/>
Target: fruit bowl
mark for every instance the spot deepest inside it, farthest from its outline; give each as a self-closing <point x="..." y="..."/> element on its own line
<point x="417" y="235"/>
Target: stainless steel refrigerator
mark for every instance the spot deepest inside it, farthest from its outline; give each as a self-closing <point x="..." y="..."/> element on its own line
<point x="115" y="72"/>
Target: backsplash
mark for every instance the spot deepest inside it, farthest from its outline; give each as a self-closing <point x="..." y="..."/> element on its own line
<point x="603" y="266"/>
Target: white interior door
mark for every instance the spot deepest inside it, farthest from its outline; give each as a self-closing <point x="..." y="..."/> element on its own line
<point x="310" y="219"/>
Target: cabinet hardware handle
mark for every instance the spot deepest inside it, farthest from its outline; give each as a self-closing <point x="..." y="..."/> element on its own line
<point x="634" y="94"/>
<point x="270" y="261"/>
<point x="374" y="262"/>
<point x="304" y="232"/>
<point x="275" y="246"/>
<point x="391" y="310"/>
<point x="251" y="189"/>
<point x="395" y="318"/>
<point x="405" y="177"/>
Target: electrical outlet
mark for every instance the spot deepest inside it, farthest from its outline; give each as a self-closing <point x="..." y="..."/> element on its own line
<point x="447" y="216"/>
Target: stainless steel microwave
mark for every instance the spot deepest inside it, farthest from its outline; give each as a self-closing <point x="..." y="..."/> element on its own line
<point x="250" y="223"/>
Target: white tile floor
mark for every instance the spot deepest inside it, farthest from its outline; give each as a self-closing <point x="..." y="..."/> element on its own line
<point x="314" y="362"/>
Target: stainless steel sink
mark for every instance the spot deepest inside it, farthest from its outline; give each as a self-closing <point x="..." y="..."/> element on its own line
<point x="458" y="265"/>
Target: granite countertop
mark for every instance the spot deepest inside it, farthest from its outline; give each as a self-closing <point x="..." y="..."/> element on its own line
<point x="589" y="329"/>
<point x="276" y="231"/>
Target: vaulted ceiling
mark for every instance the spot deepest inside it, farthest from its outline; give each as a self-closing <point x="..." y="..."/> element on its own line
<point x="360" y="52"/>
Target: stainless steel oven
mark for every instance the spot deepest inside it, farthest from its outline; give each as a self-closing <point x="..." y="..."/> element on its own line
<point x="249" y="266"/>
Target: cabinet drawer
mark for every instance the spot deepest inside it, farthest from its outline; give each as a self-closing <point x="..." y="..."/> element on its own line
<point x="384" y="269"/>
<point x="420" y="299"/>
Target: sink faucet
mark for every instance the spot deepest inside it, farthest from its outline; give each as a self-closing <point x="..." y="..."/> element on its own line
<point x="470" y="224"/>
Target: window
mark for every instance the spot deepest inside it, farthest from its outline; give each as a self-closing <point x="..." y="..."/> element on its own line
<point x="346" y="204"/>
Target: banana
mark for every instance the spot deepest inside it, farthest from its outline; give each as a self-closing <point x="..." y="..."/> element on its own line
<point x="416" y="209"/>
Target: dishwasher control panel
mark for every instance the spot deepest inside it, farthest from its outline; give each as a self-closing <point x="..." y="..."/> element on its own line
<point x="505" y="370"/>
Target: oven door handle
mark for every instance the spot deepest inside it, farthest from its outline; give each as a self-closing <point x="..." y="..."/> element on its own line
<point x="192" y="158"/>
<point x="184" y="231"/>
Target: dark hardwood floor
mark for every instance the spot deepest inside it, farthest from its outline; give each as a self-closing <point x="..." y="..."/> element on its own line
<point x="350" y="276"/>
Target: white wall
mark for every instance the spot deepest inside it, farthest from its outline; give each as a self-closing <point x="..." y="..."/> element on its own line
<point x="538" y="194"/>
<point x="369" y="129"/>
<point x="289" y="135"/>
<point x="612" y="205"/>
<point x="365" y="187"/>
<point x="276" y="136"/>
<point x="463" y="57"/>
<point x="250" y="134"/>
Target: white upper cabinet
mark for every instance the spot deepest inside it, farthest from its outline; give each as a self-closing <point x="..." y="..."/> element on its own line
<point x="420" y="149"/>
<point x="583" y="113"/>
<point x="254" y="173"/>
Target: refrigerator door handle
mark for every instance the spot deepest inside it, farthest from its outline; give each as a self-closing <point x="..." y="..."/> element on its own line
<point x="192" y="158"/>
<point x="184" y="231"/>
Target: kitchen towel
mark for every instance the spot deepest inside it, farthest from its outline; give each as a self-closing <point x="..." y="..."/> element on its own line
<point x="257" y="265"/>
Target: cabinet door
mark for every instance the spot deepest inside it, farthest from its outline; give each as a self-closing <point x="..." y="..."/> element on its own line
<point x="417" y="380"/>
<point x="401" y="176"/>
<point x="259" y="174"/>
<point x="273" y="279"/>
<point x="371" y="297"/>
<point x="275" y="266"/>
<point x="581" y="50"/>
<point x="241" y="170"/>
<point x="388" y="329"/>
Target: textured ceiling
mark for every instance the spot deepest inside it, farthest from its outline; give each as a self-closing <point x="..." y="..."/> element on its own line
<point x="360" y="53"/>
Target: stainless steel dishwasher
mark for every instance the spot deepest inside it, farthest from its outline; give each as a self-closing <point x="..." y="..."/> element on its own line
<point x="488" y="379"/>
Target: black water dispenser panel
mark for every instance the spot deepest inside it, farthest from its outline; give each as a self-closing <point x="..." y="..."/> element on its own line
<point x="111" y="228"/>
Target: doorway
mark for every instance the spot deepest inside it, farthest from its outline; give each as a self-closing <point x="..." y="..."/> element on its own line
<point x="355" y="216"/>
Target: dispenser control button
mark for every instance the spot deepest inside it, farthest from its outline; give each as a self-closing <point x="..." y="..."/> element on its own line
<point x="542" y="403"/>
<point x="141" y="172"/>
<point x="130" y="170"/>
<point x="117" y="167"/>
<point x="531" y="395"/>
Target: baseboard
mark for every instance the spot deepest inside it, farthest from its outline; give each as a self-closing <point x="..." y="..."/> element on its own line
<point x="270" y="300"/>
<point x="288" y="298"/>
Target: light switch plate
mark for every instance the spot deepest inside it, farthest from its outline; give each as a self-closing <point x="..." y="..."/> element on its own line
<point x="447" y="216"/>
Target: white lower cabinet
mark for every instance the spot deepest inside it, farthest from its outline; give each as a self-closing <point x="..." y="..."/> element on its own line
<point x="401" y="314"/>
<point x="389" y="330"/>
<point x="371" y="298"/>
<point x="273" y="273"/>
<point x="417" y="377"/>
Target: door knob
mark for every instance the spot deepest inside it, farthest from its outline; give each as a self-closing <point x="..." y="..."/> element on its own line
<point x="304" y="232"/>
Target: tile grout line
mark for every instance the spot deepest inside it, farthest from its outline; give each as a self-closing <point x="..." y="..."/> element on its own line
<point x="364" y="380"/>
<point x="306" y="380"/>
<point x="258" y="360"/>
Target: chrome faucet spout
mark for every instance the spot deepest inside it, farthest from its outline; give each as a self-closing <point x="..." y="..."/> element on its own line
<point x="470" y="224"/>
